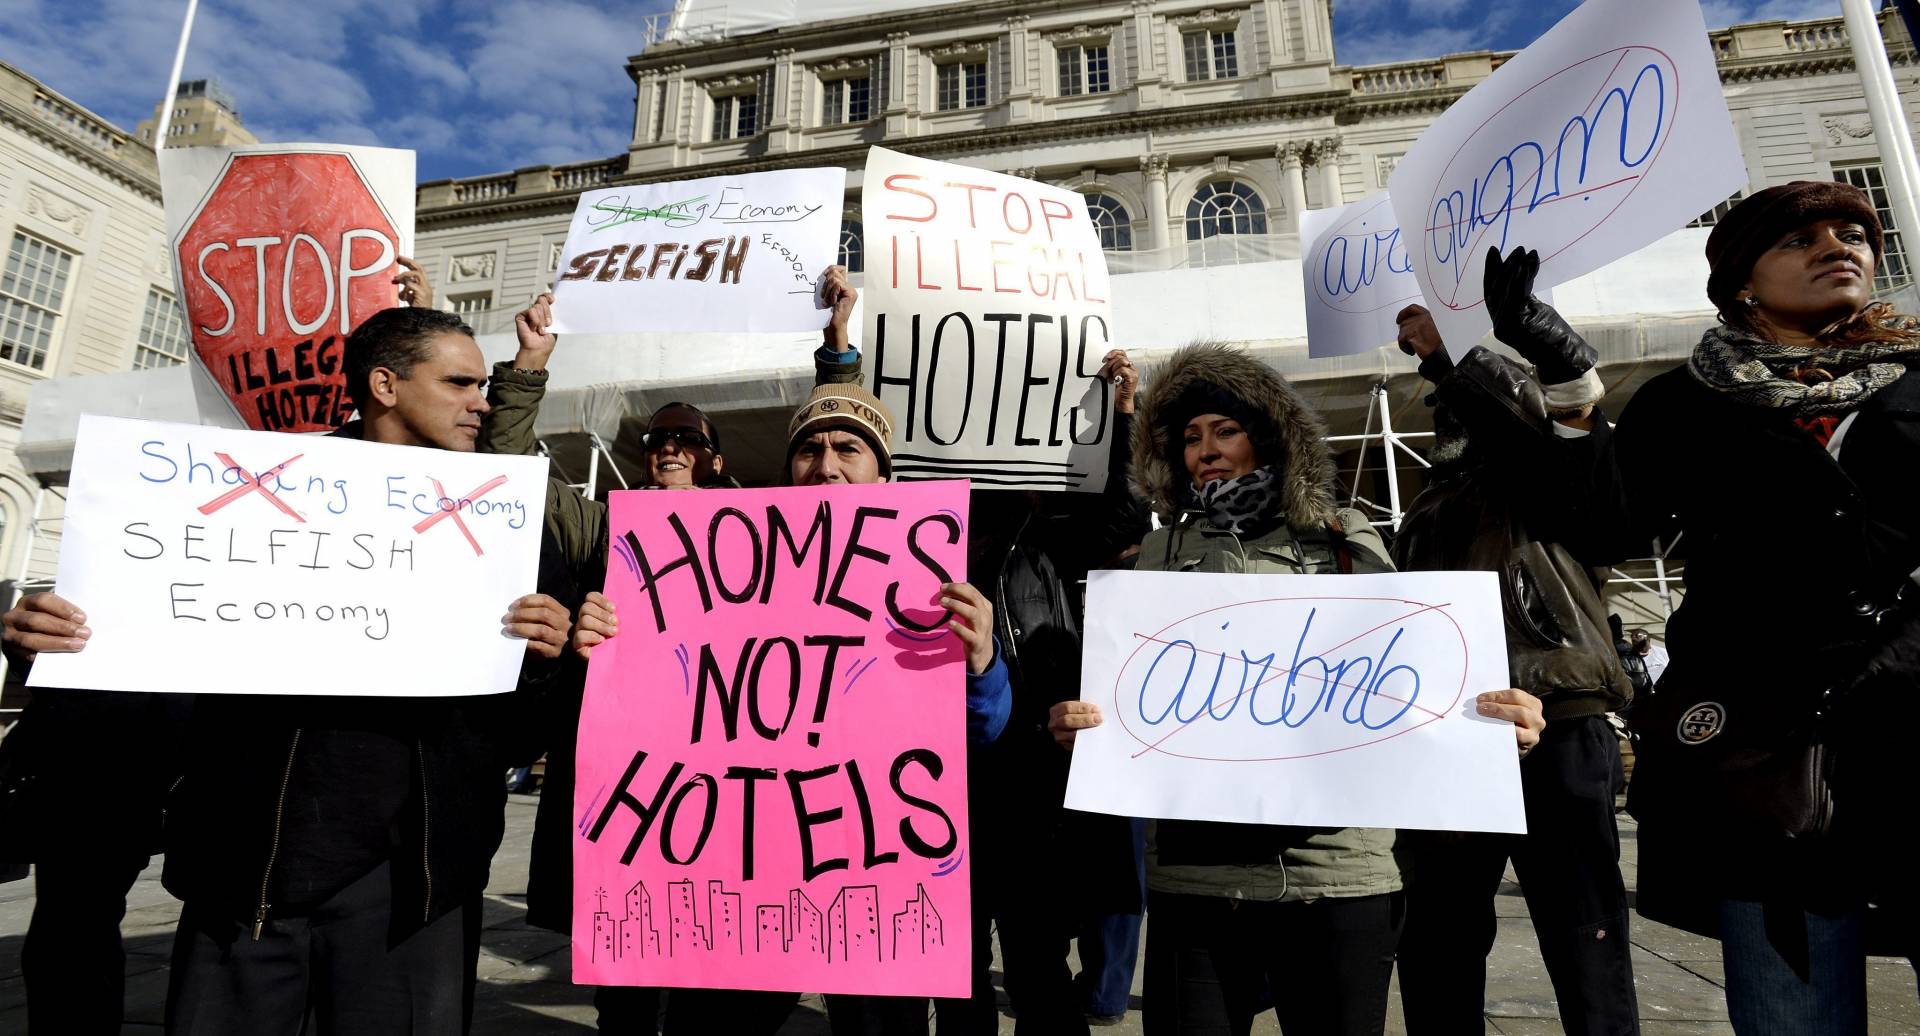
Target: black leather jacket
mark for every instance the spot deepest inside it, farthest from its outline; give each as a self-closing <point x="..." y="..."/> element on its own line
<point x="1508" y="503"/>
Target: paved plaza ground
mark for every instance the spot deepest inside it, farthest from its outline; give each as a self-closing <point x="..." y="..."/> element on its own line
<point x="524" y="985"/>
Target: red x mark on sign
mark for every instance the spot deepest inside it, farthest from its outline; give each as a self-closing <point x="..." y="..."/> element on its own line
<point x="454" y="511"/>
<point x="250" y="484"/>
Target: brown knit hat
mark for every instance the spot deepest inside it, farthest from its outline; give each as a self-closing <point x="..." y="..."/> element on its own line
<point x="1751" y="227"/>
<point x="845" y="405"/>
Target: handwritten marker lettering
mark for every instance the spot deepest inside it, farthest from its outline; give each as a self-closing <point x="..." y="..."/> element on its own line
<point x="451" y="508"/>
<point x="252" y="484"/>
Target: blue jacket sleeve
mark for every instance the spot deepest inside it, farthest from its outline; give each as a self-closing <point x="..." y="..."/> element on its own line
<point x="989" y="701"/>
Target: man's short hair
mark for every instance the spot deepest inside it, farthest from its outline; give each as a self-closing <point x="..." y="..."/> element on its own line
<point x="395" y="338"/>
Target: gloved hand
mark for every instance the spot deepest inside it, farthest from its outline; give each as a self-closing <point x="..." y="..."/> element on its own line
<point x="1531" y="327"/>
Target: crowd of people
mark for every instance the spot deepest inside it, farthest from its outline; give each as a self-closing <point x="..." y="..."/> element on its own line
<point x="331" y="852"/>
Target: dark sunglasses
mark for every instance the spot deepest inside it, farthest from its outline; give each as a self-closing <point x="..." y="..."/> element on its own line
<point x="688" y="438"/>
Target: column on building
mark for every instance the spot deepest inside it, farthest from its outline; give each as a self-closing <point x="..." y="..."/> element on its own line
<point x="900" y="103"/>
<point x="1020" y="85"/>
<point x="1293" y="183"/>
<point x="646" y="100"/>
<point x="780" y="116"/>
<point x="1326" y="160"/>
<point x="1159" y="236"/>
<point x="1146" y="81"/>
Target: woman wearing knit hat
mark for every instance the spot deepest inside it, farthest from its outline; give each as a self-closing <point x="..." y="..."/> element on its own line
<point x="1304" y="919"/>
<point x="1782" y="459"/>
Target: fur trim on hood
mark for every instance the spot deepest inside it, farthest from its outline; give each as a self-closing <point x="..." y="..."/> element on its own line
<point x="1294" y="441"/>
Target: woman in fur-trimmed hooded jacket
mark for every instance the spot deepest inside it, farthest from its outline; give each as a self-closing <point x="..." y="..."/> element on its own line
<point x="1305" y="919"/>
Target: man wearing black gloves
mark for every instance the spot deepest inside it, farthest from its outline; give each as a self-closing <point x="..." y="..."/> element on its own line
<point x="1504" y="497"/>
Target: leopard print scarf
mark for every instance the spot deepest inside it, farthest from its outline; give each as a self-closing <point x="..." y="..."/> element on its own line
<point x="1234" y="504"/>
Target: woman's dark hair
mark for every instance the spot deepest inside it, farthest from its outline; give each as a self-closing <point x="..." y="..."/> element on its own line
<point x="1872" y="325"/>
<point x="395" y="338"/>
<point x="706" y="423"/>
<point x="1205" y="397"/>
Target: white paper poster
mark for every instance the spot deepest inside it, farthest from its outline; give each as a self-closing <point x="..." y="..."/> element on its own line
<point x="1321" y="701"/>
<point x="725" y="253"/>
<point x="1607" y="134"/>
<point x="1358" y="276"/>
<point x="987" y="317"/>
<point x="218" y="561"/>
<point x="280" y="251"/>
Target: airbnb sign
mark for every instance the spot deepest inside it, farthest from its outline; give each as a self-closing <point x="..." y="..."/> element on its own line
<point x="279" y="254"/>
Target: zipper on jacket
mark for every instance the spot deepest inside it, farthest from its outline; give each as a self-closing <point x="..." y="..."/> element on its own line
<point x="426" y="833"/>
<point x="273" y="851"/>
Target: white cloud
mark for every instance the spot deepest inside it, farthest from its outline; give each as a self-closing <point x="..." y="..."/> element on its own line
<point x="432" y="66"/>
<point x="1389" y="44"/>
<point x="1722" y="13"/>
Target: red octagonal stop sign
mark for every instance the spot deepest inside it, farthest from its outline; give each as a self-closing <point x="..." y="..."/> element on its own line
<point x="285" y="254"/>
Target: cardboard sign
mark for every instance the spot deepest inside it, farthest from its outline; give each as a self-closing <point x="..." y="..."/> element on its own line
<point x="1607" y="134"/>
<point x="987" y="319"/>
<point x="727" y="253"/>
<point x="1358" y="276"/>
<point x="280" y="251"/>
<point x="217" y="561"/>
<point x="771" y="788"/>
<point x="1320" y="701"/>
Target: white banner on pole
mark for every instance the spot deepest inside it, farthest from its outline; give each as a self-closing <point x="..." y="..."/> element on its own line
<point x="1607" y="134"/>
<point x="218" y="561"/>
<point x="723" y="253"/>
<point x="987" y="318"/>
<point x="1322" y="701"/>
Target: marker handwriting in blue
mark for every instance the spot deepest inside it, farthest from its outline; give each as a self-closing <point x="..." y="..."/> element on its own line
<point x="1314" y="685"/>
<point x="1353" y="262"/>
<point x="1518" y="179"/>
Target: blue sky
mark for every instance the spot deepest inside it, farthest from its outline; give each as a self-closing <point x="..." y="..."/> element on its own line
<point x="479" y="87"/>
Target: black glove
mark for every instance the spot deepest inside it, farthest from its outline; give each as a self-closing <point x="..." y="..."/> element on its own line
<point x="1531" y="327"/>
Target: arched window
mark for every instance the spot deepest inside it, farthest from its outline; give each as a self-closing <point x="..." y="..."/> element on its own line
<point x="1112" y="221"/>
<point x="853" y="248"/>
<point x="1225" y="207"/>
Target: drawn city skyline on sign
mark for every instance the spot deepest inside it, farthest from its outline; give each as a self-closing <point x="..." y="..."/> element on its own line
<point x="848" y="929"/>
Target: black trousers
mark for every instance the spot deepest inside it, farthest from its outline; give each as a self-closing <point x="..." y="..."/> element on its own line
<point x="73" y="963"/>
<point x="1036" y="933"/>
<point x="1568" y="864"/>
<point x="1213" y="964"/>
<point x="335" y="965"/>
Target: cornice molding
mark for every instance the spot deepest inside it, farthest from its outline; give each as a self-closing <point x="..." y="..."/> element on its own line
<point x="37" y="128"/>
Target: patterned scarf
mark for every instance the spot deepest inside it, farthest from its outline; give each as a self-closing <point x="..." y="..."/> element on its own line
<point x="1760" y="373"/>
<point x="1234" y="504"/>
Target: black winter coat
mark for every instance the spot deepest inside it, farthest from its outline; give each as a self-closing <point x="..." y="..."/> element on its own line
<point x="1797" y="580"/>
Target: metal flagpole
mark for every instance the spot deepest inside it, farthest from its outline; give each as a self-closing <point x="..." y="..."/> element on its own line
<point x="173" y="81"/>
<point x="1897" y="160"/>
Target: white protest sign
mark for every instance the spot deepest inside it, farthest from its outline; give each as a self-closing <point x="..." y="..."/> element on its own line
<point x="1357" y="274"/>
<point x="987" y="318"/>
<point x="212" y="560"/>
<point x="1321" y="701"/>
<point x="1607" y="134"/>
<point x="724" y="253"/>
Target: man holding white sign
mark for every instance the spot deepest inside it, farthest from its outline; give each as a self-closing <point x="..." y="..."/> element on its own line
<point x="1271" y="724"/>
<point x="331" y="849"/>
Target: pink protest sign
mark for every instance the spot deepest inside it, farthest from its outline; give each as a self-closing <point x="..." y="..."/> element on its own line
<point x="771" y="788"/>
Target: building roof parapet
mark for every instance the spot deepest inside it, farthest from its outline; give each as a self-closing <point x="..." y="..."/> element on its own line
<point x="32" y="106"/>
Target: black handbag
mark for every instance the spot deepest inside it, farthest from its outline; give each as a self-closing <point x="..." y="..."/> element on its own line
<point x="1704" y="755"/>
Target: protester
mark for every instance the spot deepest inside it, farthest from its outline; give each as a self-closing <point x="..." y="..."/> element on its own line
<point x="841" y="436"/>
<point x="1503" y="497"/>
<point x="115" y="755"/>
<point x="1766" y="780"/>
<point x="293" y="836"/>
<point x="1303" y="918"/>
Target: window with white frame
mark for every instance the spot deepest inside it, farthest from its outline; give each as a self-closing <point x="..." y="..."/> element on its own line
<point x="1384" y="165"/>
<point x="1211" y="53"/>
<point x="736" y="113"/>
<point x="960" y="84"/>
<point x="853" y="245"/>
<point x="1111" y="221"/>
<point x="846" y="99"/>
<point x="1224" y="207"/>
<point x="472" y="303"/>
<point x="163" y="333"/>
<point x="1084" y="68"/>
<point x="33" y="288"/>
<point x="1893" y="271"/>
<point x="1713" y="216"/>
